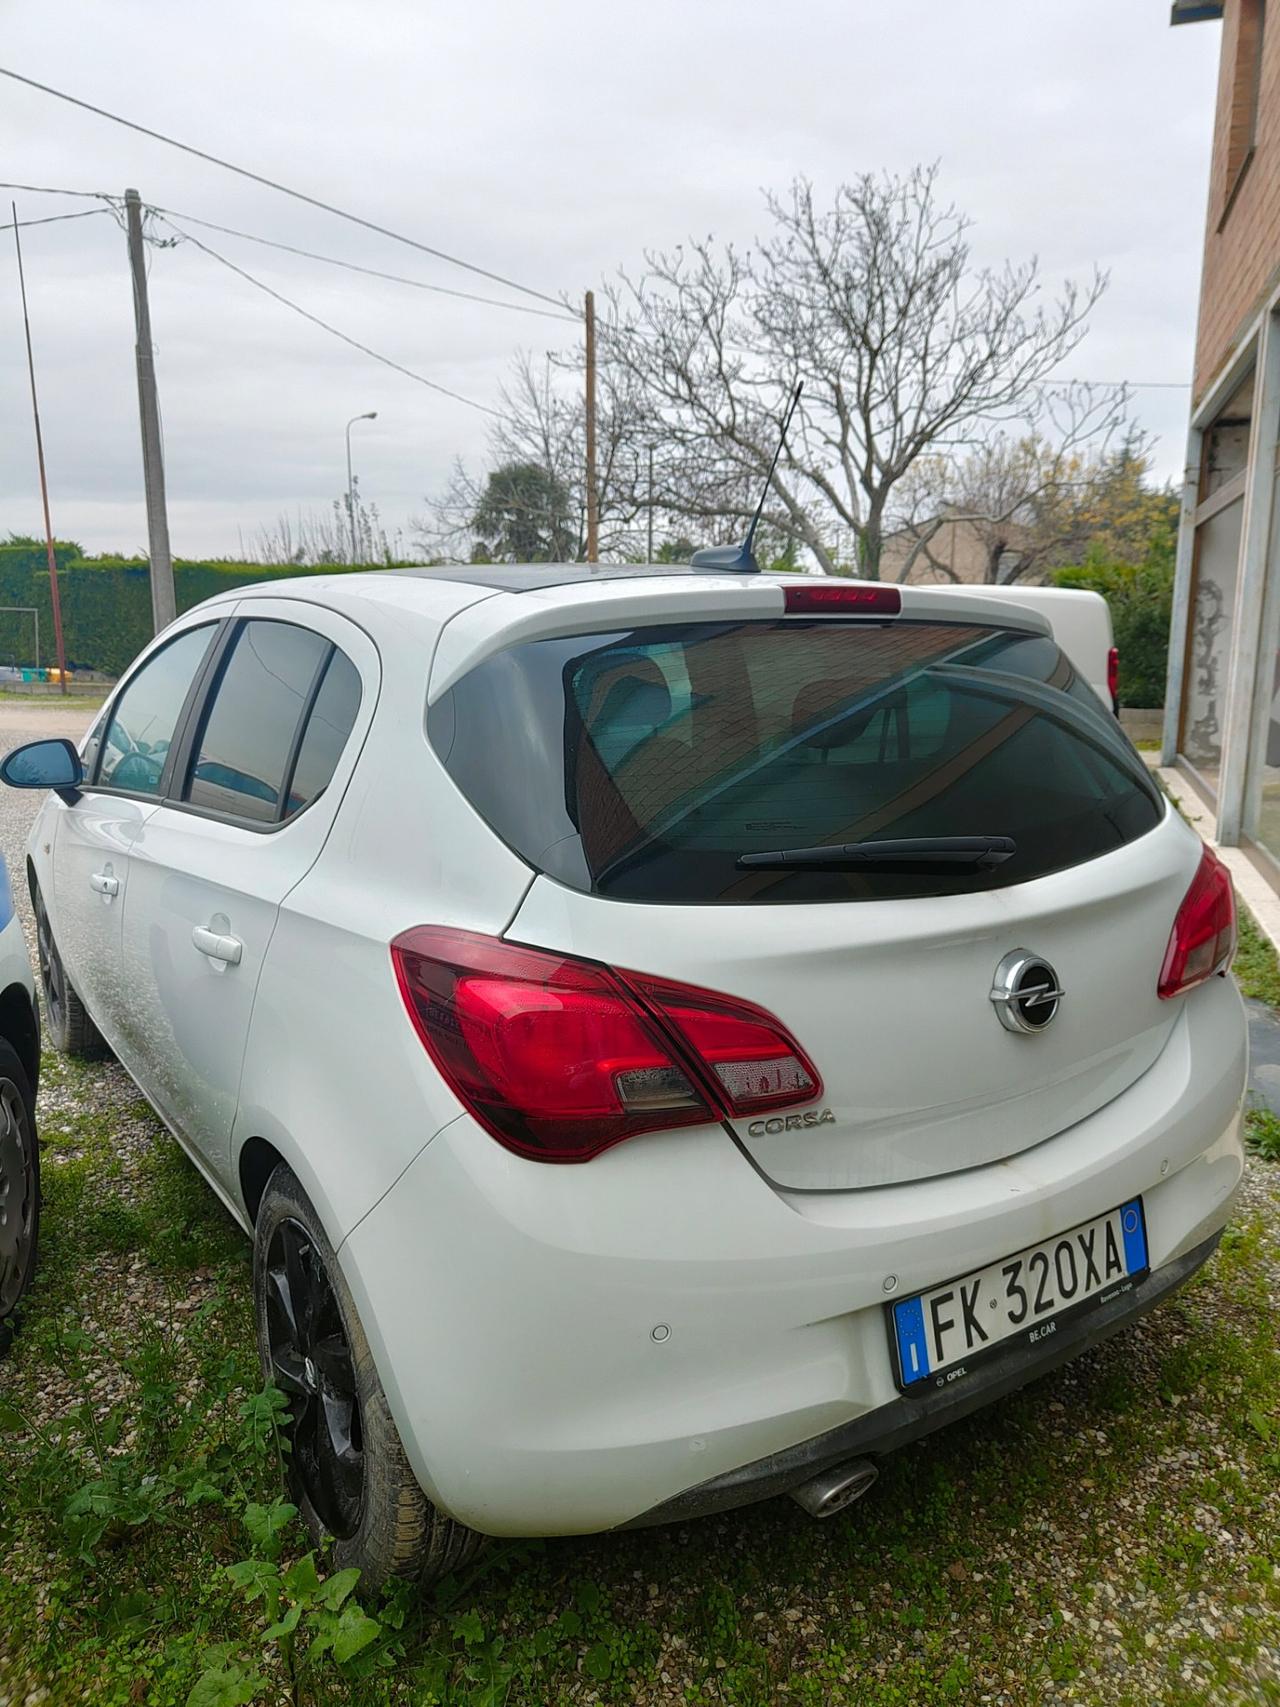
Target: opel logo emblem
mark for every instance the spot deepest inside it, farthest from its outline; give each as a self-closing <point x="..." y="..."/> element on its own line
<point x="1025" y="992"/>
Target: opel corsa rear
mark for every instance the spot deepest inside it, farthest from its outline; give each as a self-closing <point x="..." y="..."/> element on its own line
<point x="730" y="1026"/>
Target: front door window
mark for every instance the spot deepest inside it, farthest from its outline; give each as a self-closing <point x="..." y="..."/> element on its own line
<point x="133" y="751"/>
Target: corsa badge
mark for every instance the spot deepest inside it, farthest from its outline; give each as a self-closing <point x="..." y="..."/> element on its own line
<point x="791" y="1122"/>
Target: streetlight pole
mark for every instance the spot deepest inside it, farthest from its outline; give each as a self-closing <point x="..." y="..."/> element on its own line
<point x="372" y="415"/>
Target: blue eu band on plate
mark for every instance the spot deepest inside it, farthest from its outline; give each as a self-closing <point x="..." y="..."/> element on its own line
<point x="938" y="1334"/>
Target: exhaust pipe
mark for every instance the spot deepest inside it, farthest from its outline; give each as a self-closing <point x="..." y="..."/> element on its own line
<point x="833" y="1490"/>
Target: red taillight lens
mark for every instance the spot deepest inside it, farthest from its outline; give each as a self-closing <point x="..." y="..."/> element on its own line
<point x="842" y="598"/>
<point x="755" y="1062"/>
<point x="1203" y="938"/>
<point x="560" y="1058"/>
<point x="1113" y="675"/>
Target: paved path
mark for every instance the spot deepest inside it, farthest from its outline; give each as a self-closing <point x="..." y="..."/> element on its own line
<point x="1264" y="1055"/>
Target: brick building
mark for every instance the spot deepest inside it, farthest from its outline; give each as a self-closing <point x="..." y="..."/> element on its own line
<point x="1222" y="709"/>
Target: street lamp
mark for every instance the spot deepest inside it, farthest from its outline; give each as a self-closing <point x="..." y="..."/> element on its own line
<point x="351" y="490"/>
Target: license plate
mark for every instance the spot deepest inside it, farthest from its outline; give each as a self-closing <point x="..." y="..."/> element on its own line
<point x="939" y="1334"/>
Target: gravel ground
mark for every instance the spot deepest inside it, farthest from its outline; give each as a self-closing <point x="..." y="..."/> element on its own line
<point x="114" y="1093"/>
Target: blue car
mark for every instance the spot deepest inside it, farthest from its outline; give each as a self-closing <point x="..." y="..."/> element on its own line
<point x="19" y="1073"/>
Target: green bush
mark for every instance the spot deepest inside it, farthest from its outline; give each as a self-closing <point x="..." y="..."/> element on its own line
<point x="106" y="601"/>
<point x="1141" y="599"/>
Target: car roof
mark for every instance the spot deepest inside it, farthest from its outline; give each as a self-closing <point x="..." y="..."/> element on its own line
<point x="533" y="577"/>
<point x="439" y="592"/>
<point x="484" y="605"/>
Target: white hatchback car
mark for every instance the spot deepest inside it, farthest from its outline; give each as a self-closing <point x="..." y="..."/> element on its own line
<point x="673" y="1036"/>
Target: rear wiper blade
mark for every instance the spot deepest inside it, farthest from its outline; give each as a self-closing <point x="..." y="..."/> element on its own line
<point x="983" y="852"/>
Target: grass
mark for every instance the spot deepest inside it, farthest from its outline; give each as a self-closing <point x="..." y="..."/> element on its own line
<point x="1262" y="1133"/>
<point x="1256" y="965"/>
<point x="85" y="701"/>
<point x="1033" y="1551"/>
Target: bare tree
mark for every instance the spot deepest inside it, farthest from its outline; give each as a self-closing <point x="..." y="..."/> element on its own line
<point x="543" y="427"/>
<point x="1027" y="503"/>
<point x="905" y="348"/>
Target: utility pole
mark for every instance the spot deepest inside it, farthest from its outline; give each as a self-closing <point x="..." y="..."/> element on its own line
<point x="593" y="496"/>
<point x="44" y="484"/>
<point x="649" y="556"/>
<point x="164" y="606"/>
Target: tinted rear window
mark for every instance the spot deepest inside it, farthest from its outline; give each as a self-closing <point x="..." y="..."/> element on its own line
<point x="641" y="765"/>
<point x="332" y="719"/>
<point x="249" y="728"/>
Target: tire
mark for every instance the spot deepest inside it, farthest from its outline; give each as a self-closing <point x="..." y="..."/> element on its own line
<point x="19" y="1189"/>
<point x="312" y="1346"/>
<point x="71" y="1031"/>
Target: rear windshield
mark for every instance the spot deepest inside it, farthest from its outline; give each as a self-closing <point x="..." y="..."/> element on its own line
<point x="641" y="765"/>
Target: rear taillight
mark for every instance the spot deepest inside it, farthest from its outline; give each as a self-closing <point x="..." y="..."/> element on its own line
<point x="753" y="1063"/>
<point x="1113" y="677"/>
<point x="842" y="598"/>
<point x="560" y="1058"/>
<point x="1203" y="938"/>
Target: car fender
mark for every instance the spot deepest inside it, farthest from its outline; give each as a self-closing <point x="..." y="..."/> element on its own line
<point x="263" y="1127"/>
<point x="40" y="852"/>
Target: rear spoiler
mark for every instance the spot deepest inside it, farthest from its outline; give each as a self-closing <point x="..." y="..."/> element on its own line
<point x="507" y="619"/>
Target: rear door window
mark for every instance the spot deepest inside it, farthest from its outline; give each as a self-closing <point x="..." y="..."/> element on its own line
<point x="642" y="765"/>
<point x="332" y="719"/>
<point x="273" y="731"/>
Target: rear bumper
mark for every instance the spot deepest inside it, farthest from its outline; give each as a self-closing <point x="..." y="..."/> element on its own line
<point x="910" y="1418"/>
<point x="571" y="1349"/>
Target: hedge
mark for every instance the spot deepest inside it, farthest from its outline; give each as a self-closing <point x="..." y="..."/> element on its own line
<point x="106" y="602"/>
<point x="1141" y="599"/>
<point x="106" y="607"/>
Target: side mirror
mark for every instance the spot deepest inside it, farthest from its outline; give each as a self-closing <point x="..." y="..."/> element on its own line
<point x="44" y="764"/>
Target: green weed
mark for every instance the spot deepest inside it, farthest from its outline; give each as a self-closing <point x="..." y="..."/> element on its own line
<point x="1256" y="966"/>
<point x="150" y="1554"/>
<point x="1262" y="1133"/>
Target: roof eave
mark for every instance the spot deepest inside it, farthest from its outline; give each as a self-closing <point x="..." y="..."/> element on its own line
<point x="1195" y="11"/>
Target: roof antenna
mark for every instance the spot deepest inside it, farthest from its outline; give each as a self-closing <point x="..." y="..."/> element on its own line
<point x="741" y="559"/>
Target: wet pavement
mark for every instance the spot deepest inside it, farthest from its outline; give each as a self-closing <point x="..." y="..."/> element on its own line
<point x="1264" y="1055"/>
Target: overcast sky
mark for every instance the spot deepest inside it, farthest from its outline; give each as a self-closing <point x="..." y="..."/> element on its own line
<point x="549" y="143"/>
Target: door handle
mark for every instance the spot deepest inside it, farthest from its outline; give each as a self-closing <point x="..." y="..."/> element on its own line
<point x="103" y="884"/>
<point x="228" y="948"/>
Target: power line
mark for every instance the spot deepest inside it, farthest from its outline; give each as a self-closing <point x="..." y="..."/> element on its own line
<point x="370" y="272"/>
<point x="324" y="325"/>
<point x="330" y="260"/>
<point x="284" y="189"/>
<point x="54" y="218"/>
<point x="1117" y="384"/>
<point x="48" y="190"/>
<point x="419" y="284"/>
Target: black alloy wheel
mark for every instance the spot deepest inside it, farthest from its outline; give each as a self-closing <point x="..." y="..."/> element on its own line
<point x="311" y="1362"/>
<point x="346" y="1465"/>
<point x="19" y="1199"/>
